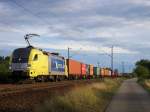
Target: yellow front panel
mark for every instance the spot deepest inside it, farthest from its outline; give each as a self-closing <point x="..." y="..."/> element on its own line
<point x="38" y="66"/>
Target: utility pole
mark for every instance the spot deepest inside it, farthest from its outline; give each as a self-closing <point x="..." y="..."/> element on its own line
<point x="112" y="60"/>
<point x="123" y="68"/>
<point x="98" y="64"/>
<point x="68" y="52"/>
<point x="111" y="55"/>
<point x="68" y="59"/>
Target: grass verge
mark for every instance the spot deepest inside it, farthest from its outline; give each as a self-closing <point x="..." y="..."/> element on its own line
<point x="145" y="84"/>
<point x="90" y="98"/>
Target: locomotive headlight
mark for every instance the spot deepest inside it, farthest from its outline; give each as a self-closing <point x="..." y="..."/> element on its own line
<point x="10" y="67"/>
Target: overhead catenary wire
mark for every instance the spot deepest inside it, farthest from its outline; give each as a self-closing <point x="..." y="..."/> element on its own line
<point x="44" y="21"/>
<point x="75" y="53"/>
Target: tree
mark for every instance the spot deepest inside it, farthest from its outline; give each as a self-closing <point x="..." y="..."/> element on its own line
<point x="7" y="58"/>
<point x="4" y="69"/>
<point x="1" y="59"/>
<point x="144" y="62"/>
<point x="142" y="72"/>
<point x="4" y="64"/>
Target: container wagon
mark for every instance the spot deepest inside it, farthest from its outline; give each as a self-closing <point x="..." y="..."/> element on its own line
<point x="91" y="71"/>
<point x="74" y="69"/>
<point x="87" y="71"/>
<point x="105" y="72"/>
<point x="102" y="72"/>
<point x="96" y="71"/>
<point x="83" y="70"/>
<point x="34" y="63"/>
<point x="108" y="72"/>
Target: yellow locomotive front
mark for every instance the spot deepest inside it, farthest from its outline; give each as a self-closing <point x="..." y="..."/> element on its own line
<point x="19" y="63"/>
<point x="28" y="62"/>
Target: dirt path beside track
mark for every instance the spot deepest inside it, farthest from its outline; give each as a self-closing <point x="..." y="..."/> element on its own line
<point x="131" y="97"/>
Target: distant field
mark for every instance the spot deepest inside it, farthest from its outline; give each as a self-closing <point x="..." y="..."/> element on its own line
<point x="89" y="98"/>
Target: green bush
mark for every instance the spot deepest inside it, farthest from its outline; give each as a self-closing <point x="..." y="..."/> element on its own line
<point x="142" y="72"/>
<point x="4" y="70"/>
<point x="89" y="98"/>
<point x="142" y="69"/>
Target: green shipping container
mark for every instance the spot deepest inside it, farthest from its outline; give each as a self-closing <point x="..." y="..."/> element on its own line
<point x="96" y="71"/>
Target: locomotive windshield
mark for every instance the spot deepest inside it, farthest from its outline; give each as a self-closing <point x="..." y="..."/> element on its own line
<point x="21" y="55"/>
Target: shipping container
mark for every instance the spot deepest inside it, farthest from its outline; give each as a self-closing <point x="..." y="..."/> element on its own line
<point x="109" y="72"/>
<point x="96" y="71"/>
<point x="105" y="72"/>
<point x="91" y="70"/>
<point x="74" y="67"/>
<point x="83" y="69"/>
<point x="102" y="72"/>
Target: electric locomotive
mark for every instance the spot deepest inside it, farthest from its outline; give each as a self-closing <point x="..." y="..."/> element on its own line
<point x="33" y="63"/>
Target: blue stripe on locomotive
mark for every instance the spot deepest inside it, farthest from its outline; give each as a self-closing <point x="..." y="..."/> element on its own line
<point x="57" y="64"/>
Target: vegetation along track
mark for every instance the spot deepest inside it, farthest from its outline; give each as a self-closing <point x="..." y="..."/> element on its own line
<point x="15" y="88"/>
<point x="24" y="97"/>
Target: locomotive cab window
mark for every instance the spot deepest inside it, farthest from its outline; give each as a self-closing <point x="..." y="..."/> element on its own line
<point x="35" y="57"/>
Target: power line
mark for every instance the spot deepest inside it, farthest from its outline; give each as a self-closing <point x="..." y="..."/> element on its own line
<point x="112" y="58"/>
<point x="104" y="53"/>
<point x="75" y="53"/>
<point x="26" y="10"/>
<point x="29" y="11"/>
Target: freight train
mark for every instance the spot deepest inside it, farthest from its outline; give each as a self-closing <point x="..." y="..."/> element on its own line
<point x="34" y="63"/>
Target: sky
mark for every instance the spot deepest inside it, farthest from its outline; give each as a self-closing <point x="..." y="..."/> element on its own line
<point x="88" y="27"/>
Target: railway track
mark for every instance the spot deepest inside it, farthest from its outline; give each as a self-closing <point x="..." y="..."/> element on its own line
<point x="16" y="88"/>
<point x="26" y="97"/>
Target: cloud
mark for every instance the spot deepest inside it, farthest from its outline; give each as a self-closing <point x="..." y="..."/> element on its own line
<point x="141" y="2"/>
<point x="93" y="25"/>
<point x="85" y="47"/>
